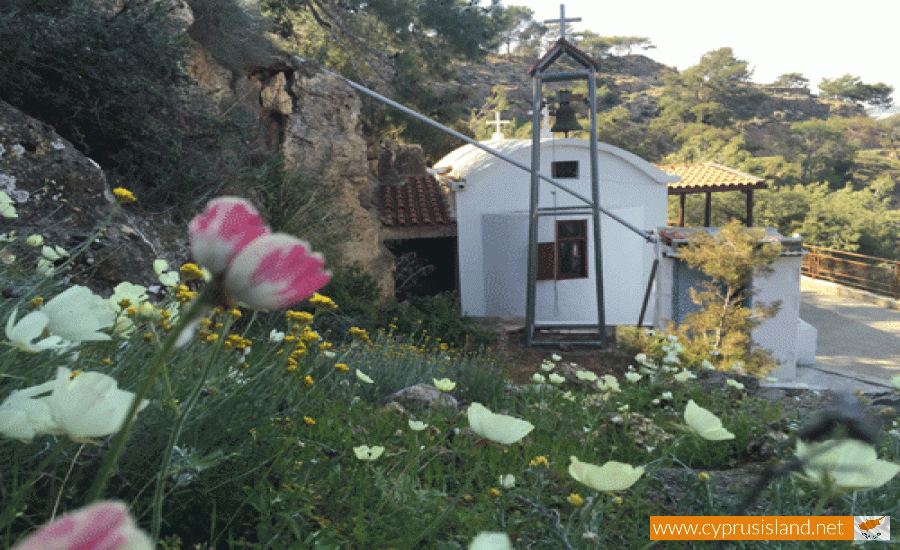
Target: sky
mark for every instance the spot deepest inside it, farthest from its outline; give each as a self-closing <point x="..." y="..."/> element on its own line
<point x="817" y="39"/>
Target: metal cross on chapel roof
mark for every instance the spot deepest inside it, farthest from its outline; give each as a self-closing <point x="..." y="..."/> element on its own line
<point x="562" y="21"/>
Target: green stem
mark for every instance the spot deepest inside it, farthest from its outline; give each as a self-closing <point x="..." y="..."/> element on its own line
<point x="159" y="494"/>
<point x="156" y="366"/>
<point x="10" y="514"/>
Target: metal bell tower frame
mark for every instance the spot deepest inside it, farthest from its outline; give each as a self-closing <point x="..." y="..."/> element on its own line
<point x="539" y="75"/>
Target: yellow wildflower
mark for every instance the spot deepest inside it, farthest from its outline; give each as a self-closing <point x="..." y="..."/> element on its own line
<point x="575" y="499"/>
<point x="36" y="302"/>
<point x="703" y="476"/>
<point x="191" y="271"/>
<point x="123" y="196"/>
<point x="235" y="313"/>
<point x="308" y="335"/>
<point x="301" y="317"/>
<point x="494" y="492"/>
<point x="309" y="421"/>
<point x="341" y="367"/>
<point x="540" y="461"/>
<point x="75" y="373"/>
<point x="325" y="346"/>
<point x="308" y="381"/>
<point x="322" y="301"/>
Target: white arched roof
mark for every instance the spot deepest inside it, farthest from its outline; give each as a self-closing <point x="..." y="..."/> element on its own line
<point x="468" y="159"/>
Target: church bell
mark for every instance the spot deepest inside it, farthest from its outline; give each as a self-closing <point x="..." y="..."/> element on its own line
<point x="565" y="114"/>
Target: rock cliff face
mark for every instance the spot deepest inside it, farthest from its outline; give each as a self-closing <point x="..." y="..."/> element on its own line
<point x="313" y="119"/>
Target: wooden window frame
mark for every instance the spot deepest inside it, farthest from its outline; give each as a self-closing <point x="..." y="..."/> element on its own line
<point x="583" y="272"/>
<point x="548" y="261"/>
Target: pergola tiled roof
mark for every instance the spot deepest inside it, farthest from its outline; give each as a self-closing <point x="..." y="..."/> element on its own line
<point x="415" y="209"/>
<point x="709" y="178"/>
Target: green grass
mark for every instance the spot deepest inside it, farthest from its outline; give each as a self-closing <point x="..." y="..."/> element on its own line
<point x="265" y="459"/>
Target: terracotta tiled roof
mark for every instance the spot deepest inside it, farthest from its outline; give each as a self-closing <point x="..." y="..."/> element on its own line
<point x="708" y="176"/>
<point x="418" y="203"/>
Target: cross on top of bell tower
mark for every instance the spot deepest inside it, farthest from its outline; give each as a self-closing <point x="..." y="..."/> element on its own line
<point x="562" y="21"/>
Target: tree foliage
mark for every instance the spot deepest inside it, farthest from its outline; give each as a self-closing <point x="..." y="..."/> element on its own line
<point x="731" y="257"/>
<point x="113" y="83"/>
<point x="702" y="92"/>
<point x="791" y="80"/>
<point x="852" y="88"/>
<point x="823" y="149"/>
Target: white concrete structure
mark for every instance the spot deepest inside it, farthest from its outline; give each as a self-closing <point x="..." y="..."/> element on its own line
<point x="492" y="204"/>
<point x="785" y="335"/>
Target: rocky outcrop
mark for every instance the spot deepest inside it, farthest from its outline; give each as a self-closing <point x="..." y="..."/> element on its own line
<point x="313" y="119"/>
<point x="63" y="196"/>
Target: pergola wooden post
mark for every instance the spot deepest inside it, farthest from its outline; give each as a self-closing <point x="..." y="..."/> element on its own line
<point x="709" y="178"/>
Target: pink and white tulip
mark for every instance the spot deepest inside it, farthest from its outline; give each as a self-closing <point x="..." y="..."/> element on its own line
<point x="260" y="269"/>
<point x="103" y="525"/>
<point x="275" y="271"/>
<point x="226" y="226"/>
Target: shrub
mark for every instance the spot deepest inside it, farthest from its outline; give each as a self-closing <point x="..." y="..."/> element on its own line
<point x="113" y="83"/>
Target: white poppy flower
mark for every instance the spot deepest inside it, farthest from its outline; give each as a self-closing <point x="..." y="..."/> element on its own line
<point x="491" y="541"/>
<point x="276" y="336"/>
<point x="135" y="294"/>
<point x="7" y="210"/>
<point x="417" y="426"/>
<point x="45" y="267"/>
<point x="23" y="418"/>
<point x="850" y="464"/>
<point x="734" y="384"/>
<point x="556" y="379"/>
<point x="704" y="423"/>
<point x="497" y="427"/>
<point x="364" y="452"/>
<point x="684" y="376"/>
<point x="556" y="358"/>
<point x="88" y="405"/>
<point x="508" y="481"/>
<point x="35" y="240"/>
<point x="632" y="376"/>
<point x="27" y="332"/>
<point x="78" y="315"/>
<point x="53" y="253"/>
<point x="548" y="366"/>
<point x="612" y="476"/>
<point x="166" y="277"/>
<point x="608" y="383"/>
<point x="363" y="377"/>
<point x="444" y="384"/>
<point x="586" y="375"/>
<point x="538" y="378"/>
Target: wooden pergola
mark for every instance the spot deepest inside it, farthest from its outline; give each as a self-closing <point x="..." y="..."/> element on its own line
<point x="709" y="178"/>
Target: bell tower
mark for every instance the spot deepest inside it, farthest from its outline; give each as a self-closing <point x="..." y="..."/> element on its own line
<point x="541" y="72"/>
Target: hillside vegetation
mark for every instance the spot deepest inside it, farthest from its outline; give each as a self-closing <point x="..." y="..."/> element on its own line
<point x="833" y="170"/>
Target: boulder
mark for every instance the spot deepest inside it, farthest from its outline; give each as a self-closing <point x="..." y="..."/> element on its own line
<point x="423" y="396"/>
<point x="63" y="196"/>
